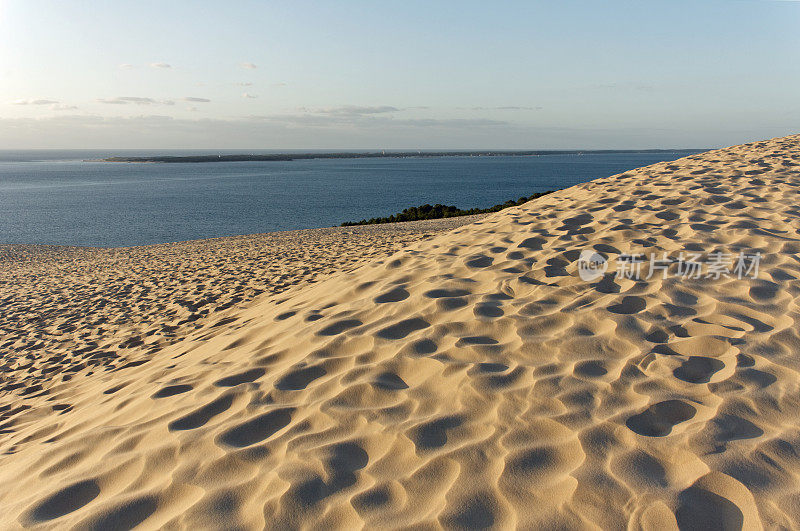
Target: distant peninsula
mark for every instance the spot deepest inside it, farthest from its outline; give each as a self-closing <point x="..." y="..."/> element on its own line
<point x="275" y="157"/>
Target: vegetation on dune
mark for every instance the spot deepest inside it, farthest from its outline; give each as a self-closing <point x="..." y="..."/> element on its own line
<point x="438" y="211"/>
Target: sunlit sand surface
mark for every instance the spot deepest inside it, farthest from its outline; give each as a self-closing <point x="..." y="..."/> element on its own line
<point x="471" y="379"/>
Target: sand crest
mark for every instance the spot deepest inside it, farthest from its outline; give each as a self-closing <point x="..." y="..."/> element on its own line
<point x="473" y="379"/>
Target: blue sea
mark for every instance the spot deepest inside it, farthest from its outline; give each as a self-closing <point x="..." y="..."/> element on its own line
<point x="56" y="197"/>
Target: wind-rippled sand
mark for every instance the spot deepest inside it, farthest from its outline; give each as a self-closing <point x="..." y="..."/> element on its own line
<point x="69" y="308"/>
<point x="470" y="380"/>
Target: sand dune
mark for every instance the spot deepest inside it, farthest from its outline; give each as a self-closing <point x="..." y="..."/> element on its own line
<point x="66" y="309"/>
<point x="473" y="379"/>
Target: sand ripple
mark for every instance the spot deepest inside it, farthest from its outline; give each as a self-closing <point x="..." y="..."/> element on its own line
<point x="470" y="380"/>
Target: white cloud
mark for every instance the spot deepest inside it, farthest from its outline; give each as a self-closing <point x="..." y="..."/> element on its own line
<point x="59" y="107"/>
<point x="454" y="122"/>
<point x="503" y="108"/>
<point x="369" y="132"/>
<point x="76" y="130"/>
<point x="244" y="84"/>
<point x="370" y="121"/>
<point x="517" y="108"/>
<point x="249" y="65"/>
<point x="112" y="101"/>
<point x="280" y="84"/>
<point x="125" y="66"/>
<point x="249" y="96"/>
<point x="352" y="110"/>
<point x="196" y="100"/>
<point x="34" y="102"/>
<point x="160" y="65"/>
<point x="136" y="100"/>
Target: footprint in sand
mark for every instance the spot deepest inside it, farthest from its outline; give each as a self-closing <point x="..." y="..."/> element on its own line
<point x="201" y="416"/>
<point x="171" y="390"/>
<point x="492" y="367"/>
<point x="257" y="429"/>
<point x="591" y="369"/>
<point x="403" y="328"/>
<point x="556" y="267"/>
<point x="701" y="510"/>
<point x="629" y="305"/>
<point x="339" y="326"/>
<point x="126" y="515"/>
<point x="659" y="419"/>
<point x="240" y="378"/>
<point x="474" y="513"/>
<point x="344" y="460"/>
<point x="389" y="381"/>
<point x="488" y="310"/>
<point x="476" y="340"/>
<point x="300" y="378"/>
<point x="394" y="295"/>
<point x="112" y="390"/>
<point x="423" y="347"/>
<point x="698" y="369"/>
<point x="445" y="293"/>
<point x="735" y="428"/>
<point x="432" y="435"/>
<point x="479" y="261"/>
<point x="65" y="501"/>
<point x="533" y="244"/>
<point x="376" y="498"/>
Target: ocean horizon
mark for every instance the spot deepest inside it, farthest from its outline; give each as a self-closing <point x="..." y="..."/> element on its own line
<point x="55" y="197"/>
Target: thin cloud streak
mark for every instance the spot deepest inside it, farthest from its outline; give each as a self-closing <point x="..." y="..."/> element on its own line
<point x="136" y="100"/>
<point x="370" y="120"/>
<point x="501" y="108"/>
<point x="328" y="132"/>
<point x="355" y="110"/>
<point x="34" y="102"/>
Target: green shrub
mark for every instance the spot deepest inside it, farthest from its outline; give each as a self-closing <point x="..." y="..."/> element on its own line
<point x="438" y="211"/>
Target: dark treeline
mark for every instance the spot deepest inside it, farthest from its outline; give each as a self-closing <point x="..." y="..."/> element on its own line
<point x="357" y="155"/>
<point x="438" y="211"/>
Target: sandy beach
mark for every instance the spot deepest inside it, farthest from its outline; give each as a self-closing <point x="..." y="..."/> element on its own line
<point x="444" y="374"/>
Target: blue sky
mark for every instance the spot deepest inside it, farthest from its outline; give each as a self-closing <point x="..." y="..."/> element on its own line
<point x="400" y="75"/>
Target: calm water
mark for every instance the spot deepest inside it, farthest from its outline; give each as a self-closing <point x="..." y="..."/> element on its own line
<point x="53" y="197"/>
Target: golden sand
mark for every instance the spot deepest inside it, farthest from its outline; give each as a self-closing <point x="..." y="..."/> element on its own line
<point x="472" y="379"/>
<point x="68" y="308"/>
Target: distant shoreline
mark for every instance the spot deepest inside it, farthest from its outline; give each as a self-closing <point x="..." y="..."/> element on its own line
<point x="284" y="157"/>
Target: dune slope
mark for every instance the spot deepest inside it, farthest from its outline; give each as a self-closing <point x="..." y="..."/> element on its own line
<point x="66" y="309"/>
<point x="471" y="380"/>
